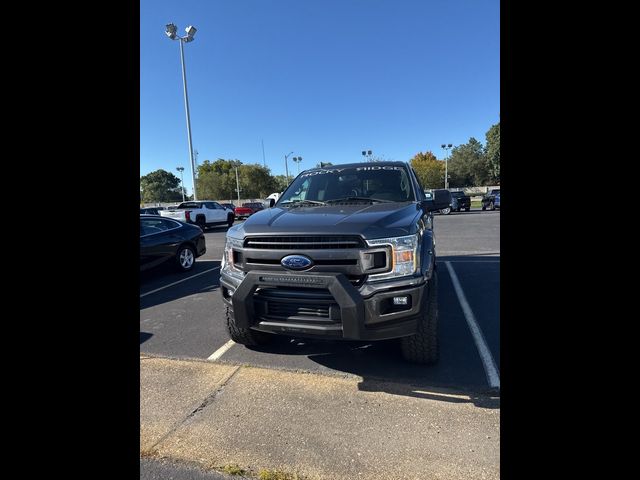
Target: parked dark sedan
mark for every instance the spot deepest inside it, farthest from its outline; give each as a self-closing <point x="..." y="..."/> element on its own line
<point x="489" y="200"/>
<point x="167" y="240"/>
<point x="149" y="211"/>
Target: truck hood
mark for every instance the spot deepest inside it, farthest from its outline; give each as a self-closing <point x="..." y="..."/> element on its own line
<point x="371" y="221"/>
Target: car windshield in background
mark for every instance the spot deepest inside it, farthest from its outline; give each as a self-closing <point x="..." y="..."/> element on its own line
<point x="385" y="183"/>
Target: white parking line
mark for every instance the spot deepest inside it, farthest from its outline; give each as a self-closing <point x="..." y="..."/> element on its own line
<point x="490" y="368"/>
<point x="179" y="281"/>
<point x="471" y="261"/>
<point x="221" y="351"/>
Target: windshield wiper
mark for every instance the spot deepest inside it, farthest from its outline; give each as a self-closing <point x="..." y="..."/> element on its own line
<point x="356" y="199"/>
<point x="302" y="202"/>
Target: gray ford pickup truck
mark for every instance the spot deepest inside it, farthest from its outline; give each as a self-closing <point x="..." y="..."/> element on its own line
<point x="347" y="252"/>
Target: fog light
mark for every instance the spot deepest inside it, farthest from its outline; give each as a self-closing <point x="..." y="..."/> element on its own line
<point x="400" y="300"/>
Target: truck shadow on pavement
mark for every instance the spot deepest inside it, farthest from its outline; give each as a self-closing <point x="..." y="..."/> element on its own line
<point x="383" y="370"/>
<point x="144" y="336"/>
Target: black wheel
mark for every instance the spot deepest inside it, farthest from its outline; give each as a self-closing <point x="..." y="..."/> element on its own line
<point x="245" y="336"/>
<point x="467" y="209"/>
<point x="492" y="206"/>
<point x="202" y="223"/>
<point x="423" y="346"/>
<point x="230" y="220"/>
<point x="185" y="258"/>
<point x="484" y="207"/>
<point x="458" y="209"/>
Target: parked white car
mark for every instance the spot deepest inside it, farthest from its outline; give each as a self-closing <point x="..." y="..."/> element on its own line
<point x="204" y="213"/>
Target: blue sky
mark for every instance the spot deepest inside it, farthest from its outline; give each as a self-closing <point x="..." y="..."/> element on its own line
<point x="325" y="79"/>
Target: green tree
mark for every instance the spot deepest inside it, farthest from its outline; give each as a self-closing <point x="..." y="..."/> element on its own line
<point x="430" y="171"/>
<point x="281" y="183"/>
<point x="467" y="165"/>
<point x="217" y="180"/>
<point x="256" y="181"/>
<point x="160" y="186"/>
<point x="492" y="152"/>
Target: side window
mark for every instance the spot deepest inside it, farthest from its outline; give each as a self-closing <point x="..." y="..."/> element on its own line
<point x="420" y="191"/>
<point x="168" y="224"/>
<point x="217" y="206"/>
<point x="149" y="226"/>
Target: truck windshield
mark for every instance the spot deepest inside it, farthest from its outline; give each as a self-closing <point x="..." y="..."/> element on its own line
<point x="381" y="183"/>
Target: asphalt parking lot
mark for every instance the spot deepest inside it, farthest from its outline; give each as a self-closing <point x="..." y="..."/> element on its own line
<point x="182" y="316"/>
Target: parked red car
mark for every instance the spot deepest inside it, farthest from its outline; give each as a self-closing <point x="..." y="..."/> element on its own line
<point x="243" y="212"/>
<point x="255" y="206"/>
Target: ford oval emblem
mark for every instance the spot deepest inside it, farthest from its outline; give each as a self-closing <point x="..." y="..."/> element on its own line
<point x="296" y="262"/>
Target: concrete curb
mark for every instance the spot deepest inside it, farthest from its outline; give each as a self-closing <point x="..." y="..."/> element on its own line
<point x="317" y="426"/>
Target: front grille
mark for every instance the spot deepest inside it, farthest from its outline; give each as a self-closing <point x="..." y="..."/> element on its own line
<point x="304" y="242"/>
<point x="276" y="261"/>
<point x="298" y="305"/>
<point x="282" y="309"/>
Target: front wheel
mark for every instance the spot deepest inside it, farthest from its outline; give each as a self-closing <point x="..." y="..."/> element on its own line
<point x="423" y="346"/>
<point x="245" y="336"/>
<point x="467" y="209"/>
<point x="230" y="220"/>
<point x="185" y="258"/>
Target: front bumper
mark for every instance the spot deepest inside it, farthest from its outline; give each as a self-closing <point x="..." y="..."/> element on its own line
<point x="349" y="315"/>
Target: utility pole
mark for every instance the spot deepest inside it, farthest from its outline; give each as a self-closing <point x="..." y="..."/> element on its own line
<point x="286" y="167"/>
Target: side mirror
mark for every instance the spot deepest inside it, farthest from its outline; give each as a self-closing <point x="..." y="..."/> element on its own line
<point x="441" y="199"/>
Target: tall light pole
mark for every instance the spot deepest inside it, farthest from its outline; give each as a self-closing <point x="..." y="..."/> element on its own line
<point x="297" y="160"/>
<point x="171" y="33"/>
<point x="286" y="167"/>
<point x="367" y="154"/>
<point x="446" y="161"/>
<point x="236" y="164"/>
<point x="181" y="169"/>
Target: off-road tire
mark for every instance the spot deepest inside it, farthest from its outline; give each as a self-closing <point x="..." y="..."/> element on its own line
<point x="230" y="220"/>
<point x="245" y="336"/>
<point x="201" y="222"/>
<point x="423" y="346"/>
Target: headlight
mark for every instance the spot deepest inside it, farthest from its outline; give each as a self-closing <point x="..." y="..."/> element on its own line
<point x="227" y="257"/>
<point x="404" y="256"/>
